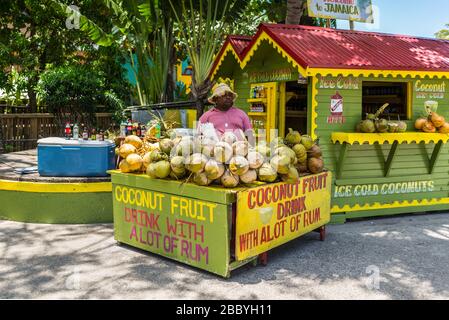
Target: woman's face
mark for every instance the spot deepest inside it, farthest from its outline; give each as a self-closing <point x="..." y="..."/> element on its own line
<point x="225" y="102"/>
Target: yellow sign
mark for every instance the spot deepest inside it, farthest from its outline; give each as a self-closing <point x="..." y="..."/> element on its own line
<point x="272" y="215"/>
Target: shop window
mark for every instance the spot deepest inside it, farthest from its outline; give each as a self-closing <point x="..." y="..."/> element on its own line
<point x="376" y="94"/>
<point x="296" y="106"/>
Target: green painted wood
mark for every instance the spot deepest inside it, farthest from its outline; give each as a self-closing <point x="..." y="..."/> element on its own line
<point x="338" y="218"/>
<point x="56" y="208"/>
<point x="434" y="158"/>
<point x="345" y="182"/>
<point x="341" y="159"/>
<point x="390" y="158"/>
<point x="237" y="264"/>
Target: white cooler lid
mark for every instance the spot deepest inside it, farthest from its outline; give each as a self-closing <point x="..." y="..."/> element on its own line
<point x="56" y="141"/>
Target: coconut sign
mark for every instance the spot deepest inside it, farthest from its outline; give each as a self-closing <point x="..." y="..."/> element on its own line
<point x="274" y="214"/>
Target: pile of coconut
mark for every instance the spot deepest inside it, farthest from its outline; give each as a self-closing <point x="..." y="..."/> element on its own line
<point x="229" y="162"/>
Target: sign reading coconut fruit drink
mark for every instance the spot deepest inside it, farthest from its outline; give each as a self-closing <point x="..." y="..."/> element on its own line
<point x="274" y="214"/>
<point x="355" y="10"/>
<point x="181" y="228"/>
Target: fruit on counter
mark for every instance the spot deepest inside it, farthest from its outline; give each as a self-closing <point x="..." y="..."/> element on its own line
<point x="315" y="165"/>
<point x="229" y="180"/>
<point x="402" y="126"/>
<point x="126" y="149"/>
<point x="367" y="126"/>
<point x="428" y="127"/>
<point x="255" y="159"/>
<point x="200" y="178"/>
<point x="177" y="165"/>
<point x="292" y="176"/>
<point x="292" y="138"/>
<point x="134" y="162"/>
<point x="436" y="119"/>
<point x="239" y="165"/>
<point x="267" y="173"/>
<point x="134" y="140"/>
<point x="281" y="163"/>
<point x="381" y="125"/>
<point x="223" y="152"/>
<point x="201" y="161"/>
<point x="307" y="142"/>
<point x="419" y="123"/>
<point x="393" y="127"/>
<point x="374" y="117"/>
<point x="444" y="128"/>
<point x="196" y="162"/>
<point x="229" y="138"/>
<point x="240" y="148"/>
<point x="160" y="169"/>
<point x="249" y="177"/>
<point x="214" y="169"/>
<point x="166" y="145"/>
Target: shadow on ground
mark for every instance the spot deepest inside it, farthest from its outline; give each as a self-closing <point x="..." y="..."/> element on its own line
<point x="410" y="254"/>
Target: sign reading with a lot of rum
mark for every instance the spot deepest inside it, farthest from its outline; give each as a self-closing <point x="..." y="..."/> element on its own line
<point x="272" y="215"/>
<point x="181" y="228"/>
<point x="356" y="10"/>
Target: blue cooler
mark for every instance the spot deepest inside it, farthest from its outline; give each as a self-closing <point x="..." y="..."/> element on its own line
<point x="59" y="157"/>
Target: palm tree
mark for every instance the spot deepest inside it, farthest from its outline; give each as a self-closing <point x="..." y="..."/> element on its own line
<point x="295" y="11"/>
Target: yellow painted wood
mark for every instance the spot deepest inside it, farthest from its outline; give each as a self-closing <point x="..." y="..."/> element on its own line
<point x="314" y="113"/>
<point x="375" y="73"/>
<point x="282" y="108"/>
<point x="229" y="49"/>
<point x="39" y="187"/>
<point x="381" y="138"/>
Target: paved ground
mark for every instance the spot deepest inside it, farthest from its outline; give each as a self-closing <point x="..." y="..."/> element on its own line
<point x="410" y="255"/>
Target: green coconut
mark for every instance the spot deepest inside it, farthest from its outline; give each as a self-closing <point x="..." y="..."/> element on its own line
<point x="255" y="159"/>
<point x="402" y="126"/>
<point x="160" y="169"/>
<point x="214" y="169"/>
<point x="177" y="164"/>
<point x="292" y="138"/>
<point x="240" y="148"/>
<point x="267" y="173"/>
<point x="196" y="162"/>
<point x="307" y="142"/>
<point x="393" y="127"/>
<point x="299" y="150"/>
<point x="292" y="176"/>
<point x="249" y="177"/>
<point x="368" y="126"/>
<point x="358" y="128"/>
<point x="229" y="137"/>
<point x="223" y="152"/>
<point x="281" y="163"/>
<point x="238" y="165"/>
<point x="178" y="175"/>
<point x="184" y="147"/>
<point x="165" y="145"/>
<point x="286" y="151"/>
<point x="381" y="125"/>
<point x="157" y="155"/>
<point x="229" y="180"/>
<point x="201" y="179"/>
<point x="277" y="142"/>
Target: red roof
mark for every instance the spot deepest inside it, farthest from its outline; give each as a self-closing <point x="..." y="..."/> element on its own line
<point x="315" y="47"/>
<point x="239" y="43"/>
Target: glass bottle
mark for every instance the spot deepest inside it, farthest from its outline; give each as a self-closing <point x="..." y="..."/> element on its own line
<point x="85" y="134"/>
<point x="101" y="136"/>
<point x="76" y="133"/>
<point x="93" y="136"/>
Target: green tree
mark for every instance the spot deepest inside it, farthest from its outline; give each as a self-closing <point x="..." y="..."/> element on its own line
<point x="443" y="34"/>
<point x="34" y="37"/>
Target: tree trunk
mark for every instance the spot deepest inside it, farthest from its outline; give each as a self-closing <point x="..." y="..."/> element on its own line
<point x="295" y="10"/>
<point x="32" y="99"/>
<point x="200" y="92"/>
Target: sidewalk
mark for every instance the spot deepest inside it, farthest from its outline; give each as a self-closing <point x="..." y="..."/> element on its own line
<point x="410" y="254"/>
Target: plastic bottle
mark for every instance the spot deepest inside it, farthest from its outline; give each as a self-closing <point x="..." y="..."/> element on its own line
<point x="67" y="131"/>
<point x="101" y="136"/>
<point x="85" y="134"/>
<point x="123" y="129"/>
<point x="129" y="127"/>
<point x="76" y="133"/>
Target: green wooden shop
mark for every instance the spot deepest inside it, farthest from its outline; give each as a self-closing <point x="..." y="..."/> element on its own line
<point x="323" y="82"/>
